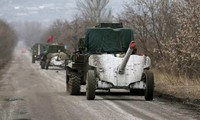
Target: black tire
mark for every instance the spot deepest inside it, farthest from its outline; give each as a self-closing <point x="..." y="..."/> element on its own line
<point x="90" y="85"/>
<point x="47" y="65"/>
<point x="149" y="80"/>
<point x="65" y="67"/>
<point x="73" y="85"/>
<point x="33" y="60"/>
<point x="42" y="64"/>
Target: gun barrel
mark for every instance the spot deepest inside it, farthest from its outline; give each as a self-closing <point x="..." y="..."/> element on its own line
<point x="126" y="58"/>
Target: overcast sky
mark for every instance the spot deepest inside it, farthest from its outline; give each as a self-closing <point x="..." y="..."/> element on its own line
<point x="45" y="10"/>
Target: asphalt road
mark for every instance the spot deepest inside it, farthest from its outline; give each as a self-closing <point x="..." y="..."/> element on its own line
<point x="30" y="93"/>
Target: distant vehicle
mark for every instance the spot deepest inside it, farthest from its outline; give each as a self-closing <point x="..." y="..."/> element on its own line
<point x="37" y="50"/>
<point x="106" y="60"/>
<point x="54" y="55"/>
<point x="23" y="50"/>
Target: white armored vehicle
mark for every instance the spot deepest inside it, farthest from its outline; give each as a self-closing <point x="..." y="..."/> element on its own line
<point x="109" y="62"/>
<point x="54" y="55"/>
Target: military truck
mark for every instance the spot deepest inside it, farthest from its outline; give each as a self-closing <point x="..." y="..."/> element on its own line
<point x="37" y="49"/>
<point x="106" y="59"/>
<point x="54" y="55"/>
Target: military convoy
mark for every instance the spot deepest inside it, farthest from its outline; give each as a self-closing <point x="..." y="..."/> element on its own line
<point x="106" y="60"/>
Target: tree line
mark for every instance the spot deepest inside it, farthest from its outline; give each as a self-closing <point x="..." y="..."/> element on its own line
<point x="8" y="40"/>
<point x="166" y="30"/>
<point x="90" y="13"/>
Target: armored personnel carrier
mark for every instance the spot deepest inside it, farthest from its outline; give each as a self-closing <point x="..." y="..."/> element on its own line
<point x="106" y="60"/>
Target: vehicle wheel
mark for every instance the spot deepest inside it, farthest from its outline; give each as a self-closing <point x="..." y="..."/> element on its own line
<point x="149" y="80"/>
<point x="90" y="85"/>
<point x="33" y="60"/>
<point x="42" y="65"/>
<point x="65" y="67"/>
<point x="73" y="85"/>
<point x="67" y="79"/>
<point x="47" y="65"/>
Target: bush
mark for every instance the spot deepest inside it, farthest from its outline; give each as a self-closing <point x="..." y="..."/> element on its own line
<point x="181" y="53"/>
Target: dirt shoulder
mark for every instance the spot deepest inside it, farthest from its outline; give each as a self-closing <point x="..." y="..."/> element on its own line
<point x="193" y="103"/>
<point x="175" y="89"/>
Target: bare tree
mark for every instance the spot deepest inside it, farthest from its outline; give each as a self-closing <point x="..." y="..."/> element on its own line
<point x="30" y="32"/>
<point x="74" y="30"/>
<point x="66" y="32"/>
<point x="183" y="50"/>
<point x="167" y="30"/>
<point x="152" y="22"/>
<point x="57" y="29"/>
<point x="95" y="10"/>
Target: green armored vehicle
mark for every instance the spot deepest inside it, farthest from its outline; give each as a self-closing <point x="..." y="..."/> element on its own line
<point x="106" y="60"/>
<point x="37" y="49"/>
<point x="54" y="55"/>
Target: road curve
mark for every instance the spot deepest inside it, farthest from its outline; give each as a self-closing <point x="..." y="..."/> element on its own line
<point x="30" y="93"/>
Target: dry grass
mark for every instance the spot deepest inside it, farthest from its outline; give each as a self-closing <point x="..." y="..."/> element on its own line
<point x="181" y="87"/>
